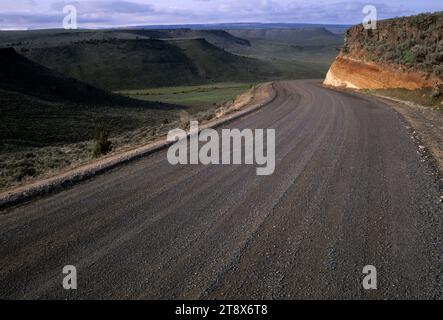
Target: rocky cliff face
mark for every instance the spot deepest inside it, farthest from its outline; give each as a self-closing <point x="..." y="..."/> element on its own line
<point x="401" y="53"/>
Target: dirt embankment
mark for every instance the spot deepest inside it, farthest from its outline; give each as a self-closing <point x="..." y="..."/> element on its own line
<point x="356" y="74"/>
<point x="400" y="53"/>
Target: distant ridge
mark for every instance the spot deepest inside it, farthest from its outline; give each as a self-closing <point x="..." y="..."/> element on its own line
<point x="300" y="36"/>
<point x="336" y="28"/>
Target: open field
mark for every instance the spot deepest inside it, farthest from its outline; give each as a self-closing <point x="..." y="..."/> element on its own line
<point x="196" y="97"/>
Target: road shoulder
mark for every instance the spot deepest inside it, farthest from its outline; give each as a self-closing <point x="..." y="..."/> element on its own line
<point x="424" y="124"/>
<point x="425" y="121"/>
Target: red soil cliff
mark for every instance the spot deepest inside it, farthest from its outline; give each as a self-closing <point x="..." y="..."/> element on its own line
<point x="401" y="53"/>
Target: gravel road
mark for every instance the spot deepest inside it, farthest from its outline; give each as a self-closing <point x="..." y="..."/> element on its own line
<point x="349" y="190"/>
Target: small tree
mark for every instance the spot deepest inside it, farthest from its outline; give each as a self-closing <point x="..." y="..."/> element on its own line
<point x="102" y="144"/>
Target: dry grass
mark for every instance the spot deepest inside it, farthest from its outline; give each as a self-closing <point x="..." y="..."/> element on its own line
<point x="30" y="164"/>
<point x="25" y="165"/>
<point x="425" y="97"/>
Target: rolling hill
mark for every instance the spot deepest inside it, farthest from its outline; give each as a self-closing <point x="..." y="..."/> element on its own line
<point x="48" y="121"/>
<point x="22" y="76"/>
<point x="118" y="64"/>
<point x="41" y="107"/>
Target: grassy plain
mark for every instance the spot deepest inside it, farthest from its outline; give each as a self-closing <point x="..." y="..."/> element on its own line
<point x="198" y="98"/>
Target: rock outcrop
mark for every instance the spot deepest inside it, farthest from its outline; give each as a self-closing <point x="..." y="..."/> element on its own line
<point x="400" y="53"/>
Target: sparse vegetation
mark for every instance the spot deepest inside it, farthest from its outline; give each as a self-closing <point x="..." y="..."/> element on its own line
<point x="425" y="97"/>
<point x="21" y="165"/>
<point x="102" y="144"/>
<point x="415" y="42"/>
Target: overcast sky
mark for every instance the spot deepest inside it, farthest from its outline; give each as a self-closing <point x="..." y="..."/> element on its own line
<point x="22" y="14"/>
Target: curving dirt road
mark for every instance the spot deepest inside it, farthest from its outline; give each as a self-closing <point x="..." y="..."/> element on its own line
<point x="349" y="190"/>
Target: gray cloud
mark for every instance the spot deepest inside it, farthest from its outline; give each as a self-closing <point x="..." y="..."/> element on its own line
<point x="338" y="12"/>
<point x="98" y="13"/>
<point x="106" y="7"/>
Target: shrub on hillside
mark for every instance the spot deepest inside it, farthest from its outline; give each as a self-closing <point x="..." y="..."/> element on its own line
<point x="436" y="58"/>
<point x="415" y="42"/>
<point x="419" y="53"/>
<point x="391" y="56"/>
<point x="103" y="145"/>
<point x="438" y="70"/>
<point x="436" y="93"/>
<point x="407" y="58"/>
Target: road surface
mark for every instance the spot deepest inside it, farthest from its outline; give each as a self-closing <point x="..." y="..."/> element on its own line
<point x="349" y="190"/>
